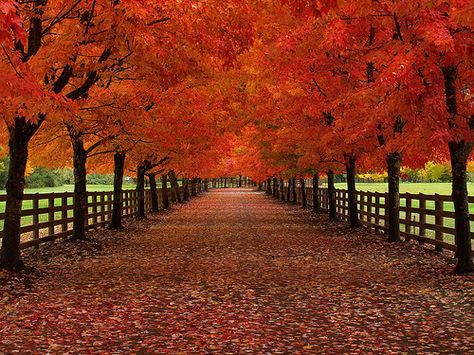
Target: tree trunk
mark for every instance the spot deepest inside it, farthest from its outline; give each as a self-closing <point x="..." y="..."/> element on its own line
<point x="331" y="196"/>
<point x="304" y="201"/>
<point x="185" y="189"/>
<point x="269" y="187"/>
<point x="293" y="188"/>
<point x="193" y="187"/>
<point x="199" y="185"/>
<point x="80" y="188"/>
<point x="164" y="191"/>
<point x="275" y="187"/>
<point x="459" y="153"/>
<point x="119" y="166"/>
<point x="141" y="170"/>
<point x="175" y="186"/>
<point x="225" y="182"/>
<point x="316" y="205"/>
<point x="19" y="137"/>
<point x="240" y="180"/>
<point x="394" y="160"/>
<point x="282" y="190"/>
<point x="154" y="193"/>
<point x="350" y="163"/>
<point x="288" y="192"/>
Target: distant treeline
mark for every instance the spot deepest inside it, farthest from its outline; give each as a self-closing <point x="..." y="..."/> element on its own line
<point x="43" y="177"/>
<point x="432" y="172"/>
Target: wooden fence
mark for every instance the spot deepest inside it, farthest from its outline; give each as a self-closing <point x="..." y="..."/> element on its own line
<point x="49" y="216"/>
<point x="424" y="218"/>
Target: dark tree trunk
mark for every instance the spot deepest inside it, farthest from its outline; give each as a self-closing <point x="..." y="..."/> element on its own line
<point x="316" y="205"/>
<point x="288" y="192"/>
<point x="282" y="190"/>
<point x="293" y="191"/>
<point x="19" y="137"/>
<point x="240" y="180"/>
<point x="304" y="201"/>
<point x="172" y="191"/>
<point x="141" y="171"/>
<point x="119" y="166"/>
<point x="275" y="187"/>
<point x="175" y="186"/>
<point x="185" y="189"/>
<point x="225" y="182"/>
<point x="80" y="188"/>
<point x="193" y="187"/>
<point x="350" y="163"/>
<point x="331" y="196"/>
<point x="260" y="188"/>
<point x="394" y="160"/>
<point x="459" y="153"/>
<point x="164" y="191"/>
<point x="269" y="187"/>
<point x="154" y="193"/>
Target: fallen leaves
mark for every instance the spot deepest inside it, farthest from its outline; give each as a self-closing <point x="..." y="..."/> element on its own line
<point x="236" y="273"/>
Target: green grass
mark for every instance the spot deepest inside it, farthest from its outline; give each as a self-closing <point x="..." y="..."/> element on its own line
<point x="415" y="188"/>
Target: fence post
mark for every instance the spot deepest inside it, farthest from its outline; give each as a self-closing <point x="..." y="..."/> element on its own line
<point x="51" y="215"/>
<point x="102" y="208"/>
<point x="408" y="214"/>
<point x="422" y="221"/>
<point x="377" y="209"/>
<point x="36" y="218"/>
<point x="369" y="207"/>
<point x="94" y="209"/>
<point x="439" y="206"/>
<point x="64" y="210"/>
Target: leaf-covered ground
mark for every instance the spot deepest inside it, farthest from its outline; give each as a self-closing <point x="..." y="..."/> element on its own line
<point x="236" y="272"/>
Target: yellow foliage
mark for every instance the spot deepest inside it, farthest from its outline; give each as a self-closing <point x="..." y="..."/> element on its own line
<point x="29" y="169"/>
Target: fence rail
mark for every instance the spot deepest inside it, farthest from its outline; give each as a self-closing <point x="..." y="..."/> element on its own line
<point x="49" y="216"/>
<point x="424" y="218"/>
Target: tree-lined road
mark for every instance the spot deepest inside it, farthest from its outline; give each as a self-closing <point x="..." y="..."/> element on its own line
<point x="236" y="272"/>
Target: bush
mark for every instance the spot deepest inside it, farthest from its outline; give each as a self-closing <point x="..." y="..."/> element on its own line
<point x="43" y="177"/>
<point x="100" y="179"/>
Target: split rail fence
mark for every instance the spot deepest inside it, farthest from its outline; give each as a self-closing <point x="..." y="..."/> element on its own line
<point x="424" y="218"/>
<point x="49" y="216"/>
